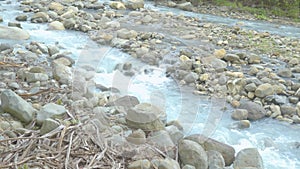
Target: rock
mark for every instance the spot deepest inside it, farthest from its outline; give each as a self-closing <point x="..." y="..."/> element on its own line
<point x="188" y="167"/>
<point x="13" y="85"/>
<point x="250" y="87"/>
<point x="232" y="58"/>
<point x="48" y="125"/>
<point x="208" y="144"/>
<point x="264" y="90"/>
<point x="13" y="33"/>
<point x="21" y="17"/>
<point x="192" y="153"/>
<point x="56" y="25"/>
<point x="191" y="77"/>
<point x="134" y="4"/>
<point x="241" y="124"/>
<point x="216" y="63"/>
<point x="137" y="137"/>
<point x="125" y="101"/>
<point x="62" y="73"/>
<point x="16" y="106"/>
<point x="287" y="110"/>
<point x="34" y="77"/>
<point x="146" y="117"/>
<point x="174" y="133"/>
<point x="275" y="111"/>
<point x="1" y="19"/>
<point x="126" y="34"/>
<point x="167" y="163"/>
<point x="286" y="72"/>
<point x="147" y="19"/>
<point x="253" y="58"/>
<point x="215" y="160"/>
<point x="40" y="17"/>
<point x="69" y="23"/>
<point x="249" y="157"/>
<point x="220" y="54"/>
<point x="185" y="6"/>
<point x="56" y="6"/>
<point x="162" y="140"/>
<point x="144" y="164"/>
<point x="255" y="111"/>
<point x="239" y="114"/>
<point x="117" y="5"/>
<point x="50" y="110"/>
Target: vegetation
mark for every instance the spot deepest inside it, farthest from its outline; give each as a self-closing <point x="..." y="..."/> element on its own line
<point x="264" y="8"/>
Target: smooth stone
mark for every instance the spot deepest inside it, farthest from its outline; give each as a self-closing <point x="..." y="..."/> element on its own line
<point x="248" y="157"/>
<point x="255" y="111"/>
<point x="62" y="73"/>
<point x="285" y="72"/>
<point x="137" y="137"/>
<point x="174" y="133"/>
<point x="239" y="114"/>
<point x="140" y="164"/>
<point x="50" y="110"/>
<point x="117" y="5"/>
<point x="135" y="4"/>
<point x="192" y="153"/>
<point x="17" y="106"/>
<point x="34" y="77"/>
<point x="21" y="17"/>
<point x="56" y="25"/>
<point x="40" y="17"/>
<point x="48" y="126"/>
<point x="264" y="90"/>
<point x="288" y="109"/>
<point x="162" y="140"/>
<point x="215" y="160"/>
<point x="188" y="167"/>
<point x="13" y="33"/>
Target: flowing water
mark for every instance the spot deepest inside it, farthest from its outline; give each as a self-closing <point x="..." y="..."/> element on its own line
<point x="276" y="141"/>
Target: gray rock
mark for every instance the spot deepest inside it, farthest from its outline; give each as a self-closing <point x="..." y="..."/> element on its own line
<point x="48" y="125"/>
<point x="16" y="106"/>
<point x="34" y="77"/>
<point x="192" y="153"/>
<point x="62" y="73"/>
<point x="241" y="124"/>
<point x="69" y="23"/>
<point x="126" y="34"/>
<point x="117" y="5"/>
<point x="40" y="17"/>
<point x="21" y="17"/>
<point x="174" y="133"/>
<point x="134" y="4"/>
<point x="216" y="63"/>
<point x="250" y="87"/>
<point x="147" y="19"/>
<point x="215" y="160"/>
<point x="255" y="111"/>
<point x="125" y="101"/>
<point x="275" y="111"/>
<point x="13" y="33"/>
<point x="188" y="167"/>
<point x="167" y="163"/>
<point x="208" y="144"/>
<point x="56" y="25"/>
<point x="13" y="85"/>
<point x="14" y="24"/>
<point x="239" y="114"/>
<point x="253" y="58"/>
<point x="137" y="137"/>
<point x="144" y="164"/>
<point x="161" y="139"/>
<point x="287" y="110"/>
<point x="286" y="72"/>
<point x="191" y="77"/>
<point x="185" y="6"/>
<point x="146" y="117"/>
<point x="264" y="90"/>
<point x="249" y="157"/>
<point x="50" y="110"/>
<point x="232" y="58"/>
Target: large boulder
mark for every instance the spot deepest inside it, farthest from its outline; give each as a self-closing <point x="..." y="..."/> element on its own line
<point x="13" y="33"/>
<point x="255" y="111"/>
<point x="192" y="153"/>
<point x="146" y="117"/>
<point x="209" y="144"/>
<point x="248" y="158"/>
<point x="134" y="4"/>
<point x="16" y="106"/>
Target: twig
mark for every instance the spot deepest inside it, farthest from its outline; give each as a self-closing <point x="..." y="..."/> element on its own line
<point x="69" y="150"/>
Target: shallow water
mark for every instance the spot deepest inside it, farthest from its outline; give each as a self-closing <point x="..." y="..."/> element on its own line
<point x="277" y="142"/>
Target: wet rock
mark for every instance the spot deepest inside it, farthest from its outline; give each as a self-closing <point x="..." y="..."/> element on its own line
<point x="255" y="111"/>
<point x="16" y="106"/>
<point x="48" y="126"/>
<point x="185" y="6"/>
<point x="285" y="72"/>
<point x="137" y="137"/>
<point x="215" y="160"/>
<point x="239" y="114"/>
<point x="50" y="110"/>
<point x="21" y="17"/>
<point x="192" y="153"/>
<point x="56" y="25"/>
<point x="134" y="4"/>
<point x="40" y="17"/>
<point x="117" y="5"/>
<point x="264" y="90"/>
<point x="13" y="33"/>
<point x="126" y="34"/>
<point x="249" y="157"/>
<point x="208" y="144"/>
<point x="241" y="124"/>
<point x="287" y="110"/>
<point x="144" y="164"/>
<point x="146" y="117"/>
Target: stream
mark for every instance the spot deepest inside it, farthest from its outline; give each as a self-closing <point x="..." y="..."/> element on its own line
<point x="276" y="141"/>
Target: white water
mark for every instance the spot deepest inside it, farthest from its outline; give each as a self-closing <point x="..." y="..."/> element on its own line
<point x="276" y="141"/>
